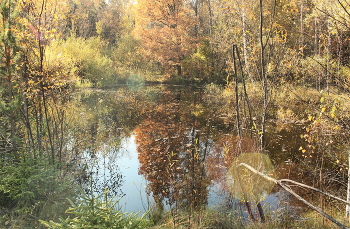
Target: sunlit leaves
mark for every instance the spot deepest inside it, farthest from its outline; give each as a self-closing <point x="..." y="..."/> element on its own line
<point x="77" y="58"/>
<point x="327" y="133"/>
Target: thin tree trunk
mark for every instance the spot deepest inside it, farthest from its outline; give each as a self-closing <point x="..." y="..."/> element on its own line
<point x="210" y="17"/>
<point x="25" y="107"/>
<point x="39" y="127"/>
<point x="212" y="60"/>
<point x="6" y="23"/>
<point x="264" y="78"/>
<point x="48" y="126"/>
<point x="245" y="89"/>
<point x="245" y="51"/>
<point x="249" y="209"/>
<point x="301" y="42"/>
<point x="328" y="56"/>
<point x="179" y="70"/>
<point x="265" y="85"/>
<point x="11" y="98"/>
<point x="261" y="212"/>
<point x="25" y="114"/>
<point x="348" y="190"/>
<point x="236" y="90"/>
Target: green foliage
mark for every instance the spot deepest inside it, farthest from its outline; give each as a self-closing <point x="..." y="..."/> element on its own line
<point x="62" y="65"/>
<point x="9" y="106"/>
<point x="32" y="188"/>
<point x="98" y="212"/>
<point x="129" y="61"/>
<point x="85" y="57"/>
<point x="328" y="132"/>
<point x="83" y="83"/>
<point x="199" y="65"/>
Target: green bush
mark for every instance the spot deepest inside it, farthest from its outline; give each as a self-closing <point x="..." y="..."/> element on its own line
<point x="98" y="212"/>
<point x="198" y="66"/>
<point x="129" y="61"/>
<point x="85" y="58"/>
<point x="31" y="189"/>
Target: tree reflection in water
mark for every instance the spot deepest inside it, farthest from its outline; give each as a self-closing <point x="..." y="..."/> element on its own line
<point x="186" y="140"/>
<point x="172" y="157"/>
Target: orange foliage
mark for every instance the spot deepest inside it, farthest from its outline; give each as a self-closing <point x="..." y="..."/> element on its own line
<point x="159" y="140"/>
<point x="170" y="156"/>
<point x="166" y="29"/>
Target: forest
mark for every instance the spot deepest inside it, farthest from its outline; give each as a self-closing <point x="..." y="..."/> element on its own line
<point x="264" y="69"/>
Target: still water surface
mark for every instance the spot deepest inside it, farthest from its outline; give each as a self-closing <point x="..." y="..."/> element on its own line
<point x="166" y="145"/>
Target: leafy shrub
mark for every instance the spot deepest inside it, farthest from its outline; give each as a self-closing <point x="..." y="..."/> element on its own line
<point x="129" y="61"/>
<point x="86" y="58"/>
<point x="199" y="64"/>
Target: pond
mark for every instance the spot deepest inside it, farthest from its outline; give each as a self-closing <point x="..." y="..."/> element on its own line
<point x="169" y="147"/>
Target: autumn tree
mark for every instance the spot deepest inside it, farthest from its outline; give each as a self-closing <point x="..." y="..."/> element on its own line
<point x="167" y="31"/>
<point x="109" y="20"/>
<point x="33" y="92"/>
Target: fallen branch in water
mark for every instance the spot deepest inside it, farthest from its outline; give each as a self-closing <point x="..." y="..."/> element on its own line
<point x="315" y="189"/>
<point x="288" y="189"/>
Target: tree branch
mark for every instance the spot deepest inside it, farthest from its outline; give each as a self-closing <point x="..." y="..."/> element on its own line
<point x="315" y="189"/>
<point x="288" y="189"/>
<point x="342" y="5"/>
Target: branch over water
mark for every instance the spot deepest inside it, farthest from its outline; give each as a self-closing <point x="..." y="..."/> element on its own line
<point x="288" y="189"/>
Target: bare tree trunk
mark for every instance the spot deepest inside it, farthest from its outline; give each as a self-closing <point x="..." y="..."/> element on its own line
<point x="264" y="79"/>
<point x="210" y="17"/>
<point x="348" y="190"/>
<point x="237" y="94"/>
<point x="301" y="41"/>
<point x="245" y="51"/>
<point x="179" y="69"/>
<point x="328" y="56"/>
<point x="48" y="124"/>
<point x="39" y="127"/>
<point x="249" y="209"/>
<point x="246" y="98"/>
<point x="261" y="212"/>
<point x="265" y="85"/>
<point x="10" y="97"/>
<point x="212" y="62"/>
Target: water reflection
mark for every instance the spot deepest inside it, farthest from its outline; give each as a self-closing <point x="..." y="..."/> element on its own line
<point x="135" y="197"/>
<point x="178" y="143"/>
<point x="172" y="156"/>
<point x="102" y="172"/>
